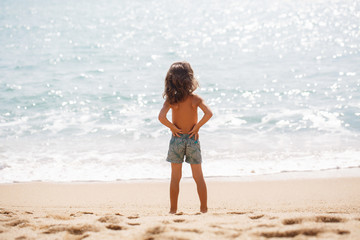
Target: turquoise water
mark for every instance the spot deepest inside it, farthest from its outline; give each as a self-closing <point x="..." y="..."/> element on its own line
<point x="81" y="85"/>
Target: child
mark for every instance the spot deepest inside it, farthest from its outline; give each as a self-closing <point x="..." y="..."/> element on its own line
<point x="180" y="84"/>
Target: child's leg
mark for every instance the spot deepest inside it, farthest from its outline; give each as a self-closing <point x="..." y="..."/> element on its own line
<point x="201" y="186"/>
<point x="174" y="185"/>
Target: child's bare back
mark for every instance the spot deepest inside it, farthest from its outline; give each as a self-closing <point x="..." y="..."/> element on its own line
<point x="184" y="114"/>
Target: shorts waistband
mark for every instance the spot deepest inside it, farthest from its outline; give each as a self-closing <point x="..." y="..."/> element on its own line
<point x="184" y="135"/>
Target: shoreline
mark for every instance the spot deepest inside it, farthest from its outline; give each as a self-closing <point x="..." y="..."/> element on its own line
<point x="348" y="172"/>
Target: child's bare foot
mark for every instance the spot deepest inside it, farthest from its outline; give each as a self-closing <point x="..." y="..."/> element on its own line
<point x="173" y="211"/>
<point x="204" y="210"/>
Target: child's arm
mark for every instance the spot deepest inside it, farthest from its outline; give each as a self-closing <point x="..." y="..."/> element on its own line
<point x="163" y="119"/>
<point x="207" y="115"/>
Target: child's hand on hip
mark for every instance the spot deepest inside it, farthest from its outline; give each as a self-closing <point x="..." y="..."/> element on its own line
<point x="194" y="132"/>
<point x="175" y="131"/>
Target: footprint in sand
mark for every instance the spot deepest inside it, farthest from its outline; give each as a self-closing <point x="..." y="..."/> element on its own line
<point x="179" y="220"/>
<point x="21" y="238"/>
<point x="155" y="230"/>
<point x="115" y="227"/>
<point x="342" y="232"/>
<point x="329" y="219"/>
<point x="87" y="213"/>
<point x="305" y="231"/>
<point x="75" y="230"/>
<point x="7" y="213"/>
<point x="52" y="229"/>
<point x="266" y="225"/>
<point x="191" y="230"/>
<point x="187" y="230"/>
<point x="291" y="233"/>
<point x="292" y="221"/>
<point x="109" y="219"/>
<point x="226" y="232"/>
<point x="19" y="223"/>
<point x="236" y="213"/>
<point x="235" y="235"/>
<point x="79" y="230"/>
<point x="78" y="214"/>
<point x="133" y="224"/>
<point x="256" y="216"/>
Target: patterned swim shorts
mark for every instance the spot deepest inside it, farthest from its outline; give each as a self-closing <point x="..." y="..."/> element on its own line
<point x="184" y="146"/>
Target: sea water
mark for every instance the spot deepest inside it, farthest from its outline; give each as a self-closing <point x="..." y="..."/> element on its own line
<point x="81" y="86"/>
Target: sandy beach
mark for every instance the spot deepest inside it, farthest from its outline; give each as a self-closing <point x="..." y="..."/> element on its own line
<point x="306" y="208"/>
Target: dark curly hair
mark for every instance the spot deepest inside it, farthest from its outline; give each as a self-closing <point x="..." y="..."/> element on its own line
<point x="179" y="82"/>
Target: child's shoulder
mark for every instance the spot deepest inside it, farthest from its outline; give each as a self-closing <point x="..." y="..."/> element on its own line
<point x="195" y="100"/>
